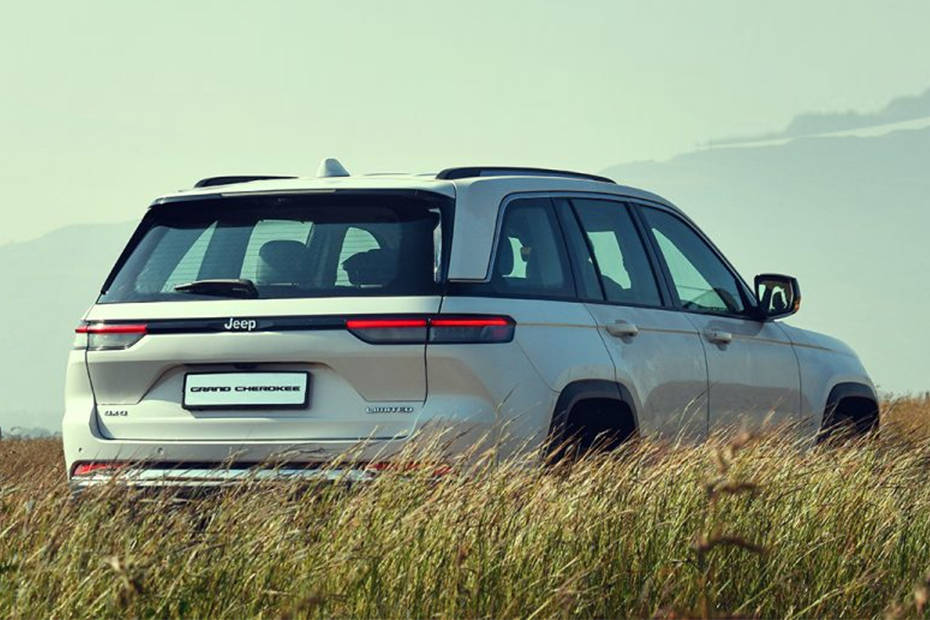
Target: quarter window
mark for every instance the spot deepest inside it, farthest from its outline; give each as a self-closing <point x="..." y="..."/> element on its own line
<point x="530" y="252"/>
<point x="702" y="281"/>
<point x="625" y="273"/>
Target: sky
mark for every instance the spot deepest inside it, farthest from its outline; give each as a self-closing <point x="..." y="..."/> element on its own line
<point x="108" y="104"/>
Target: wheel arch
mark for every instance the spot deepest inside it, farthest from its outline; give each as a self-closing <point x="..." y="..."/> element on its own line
<point x="590" y="389"/>
<point x="847" y="390"/>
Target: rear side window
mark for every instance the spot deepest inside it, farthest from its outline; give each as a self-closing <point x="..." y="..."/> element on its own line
<point x="531" y="258"/>
<point x="296" y="246"/>
<point x="625" y="273"/>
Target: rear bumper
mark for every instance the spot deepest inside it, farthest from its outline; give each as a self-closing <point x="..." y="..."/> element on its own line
<point x="479" y="398"/>
<point x="200" y="463"/>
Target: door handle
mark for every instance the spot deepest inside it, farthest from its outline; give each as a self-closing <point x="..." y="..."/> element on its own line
<point x="622" y="329"/>
<point x="718" y="336"/>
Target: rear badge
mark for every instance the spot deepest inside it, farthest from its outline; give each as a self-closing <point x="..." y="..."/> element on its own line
<point x="389" y="410"/>
<point x="246" y="325"/>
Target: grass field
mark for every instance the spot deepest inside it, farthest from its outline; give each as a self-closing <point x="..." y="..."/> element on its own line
<point x="740" y="526"/>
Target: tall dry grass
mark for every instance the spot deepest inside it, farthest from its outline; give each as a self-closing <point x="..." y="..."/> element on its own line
<point x="737" y="526"/>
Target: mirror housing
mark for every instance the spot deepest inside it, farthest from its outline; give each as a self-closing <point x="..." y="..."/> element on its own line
<point x="779" y="295"/>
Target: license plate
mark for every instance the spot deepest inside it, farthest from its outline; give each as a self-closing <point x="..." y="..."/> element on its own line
<point x="246" y="390"/>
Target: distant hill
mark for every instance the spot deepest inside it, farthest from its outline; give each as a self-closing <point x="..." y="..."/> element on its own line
<point x="850" y="216"/>
<point x="898" y="110"/>
<point x="47" y="283"/>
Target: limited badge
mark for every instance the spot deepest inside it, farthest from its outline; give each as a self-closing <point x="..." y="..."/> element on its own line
<point x="389" y="410"/>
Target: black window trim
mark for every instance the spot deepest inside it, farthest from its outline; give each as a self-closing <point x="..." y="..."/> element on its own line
<point x="461" y="289"/>
<point x="749" y="301"/>
<point x="567" y="217"/>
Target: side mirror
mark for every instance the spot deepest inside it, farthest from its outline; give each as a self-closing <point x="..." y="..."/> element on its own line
<point x="779" y="296"/>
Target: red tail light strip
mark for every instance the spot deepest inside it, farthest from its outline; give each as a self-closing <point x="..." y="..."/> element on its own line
<point x="384" y="323"/>
<point x="433" y="329"/>
<point x="496" y="321"/>
<point x="108" y="336"/>
<point x="118" y="328"/>
<point x="491" y="321"/>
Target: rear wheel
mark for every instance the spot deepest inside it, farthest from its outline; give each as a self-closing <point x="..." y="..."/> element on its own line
<point x="593" y="425"/>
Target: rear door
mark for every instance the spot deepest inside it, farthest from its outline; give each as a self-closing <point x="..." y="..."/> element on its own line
<point x="657" y="352"/>
<point x="752" y="368"/>
<point x="288" y="358"/>
<point x="555" y="339"/>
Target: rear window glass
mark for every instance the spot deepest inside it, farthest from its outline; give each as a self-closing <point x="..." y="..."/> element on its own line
<point x="295" y="246"/>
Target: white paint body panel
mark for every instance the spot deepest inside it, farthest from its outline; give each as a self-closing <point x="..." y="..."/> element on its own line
<point x="662" y="366"/>
<point x="754" y="379"/>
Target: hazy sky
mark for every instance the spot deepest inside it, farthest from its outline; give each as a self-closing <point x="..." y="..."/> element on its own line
<point x="107" y="104"/>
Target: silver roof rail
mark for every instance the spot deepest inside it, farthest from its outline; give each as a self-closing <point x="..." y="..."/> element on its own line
<point x="228" y="180"/>
<point x="498" y="171"/>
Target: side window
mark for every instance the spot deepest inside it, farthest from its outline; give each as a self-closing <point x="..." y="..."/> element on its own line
<point x="625" y="273"/>
<point x="702" y="281"/>
<point x="531" y="256"/>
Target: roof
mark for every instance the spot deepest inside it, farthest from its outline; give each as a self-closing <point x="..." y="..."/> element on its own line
<point x="425" y="182"/>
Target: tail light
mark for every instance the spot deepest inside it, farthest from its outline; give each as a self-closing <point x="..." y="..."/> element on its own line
<point x="95" y="467"/>
<point x="108" y="336"/>
<point x="435" y="330"/>
<point x="389" y="331"/>
<point x="449" y="330"/>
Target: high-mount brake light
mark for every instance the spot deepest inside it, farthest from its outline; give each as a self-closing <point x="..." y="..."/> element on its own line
<point x="435" y="330"/>
<point x="108" y="336"/>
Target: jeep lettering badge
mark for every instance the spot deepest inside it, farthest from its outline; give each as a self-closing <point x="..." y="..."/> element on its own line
<point x="245" y="325"/>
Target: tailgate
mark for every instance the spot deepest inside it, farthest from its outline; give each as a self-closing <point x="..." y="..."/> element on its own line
<point x="354" y="390"/>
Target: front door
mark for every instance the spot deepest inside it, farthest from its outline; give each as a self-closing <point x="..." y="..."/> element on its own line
<point x="753" y="372"/>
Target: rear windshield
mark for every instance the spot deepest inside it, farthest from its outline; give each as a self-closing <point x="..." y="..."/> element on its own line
<point x="286" y="246"/>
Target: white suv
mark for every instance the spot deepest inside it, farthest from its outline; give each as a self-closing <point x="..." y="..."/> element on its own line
<point x="260" y="318"/>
